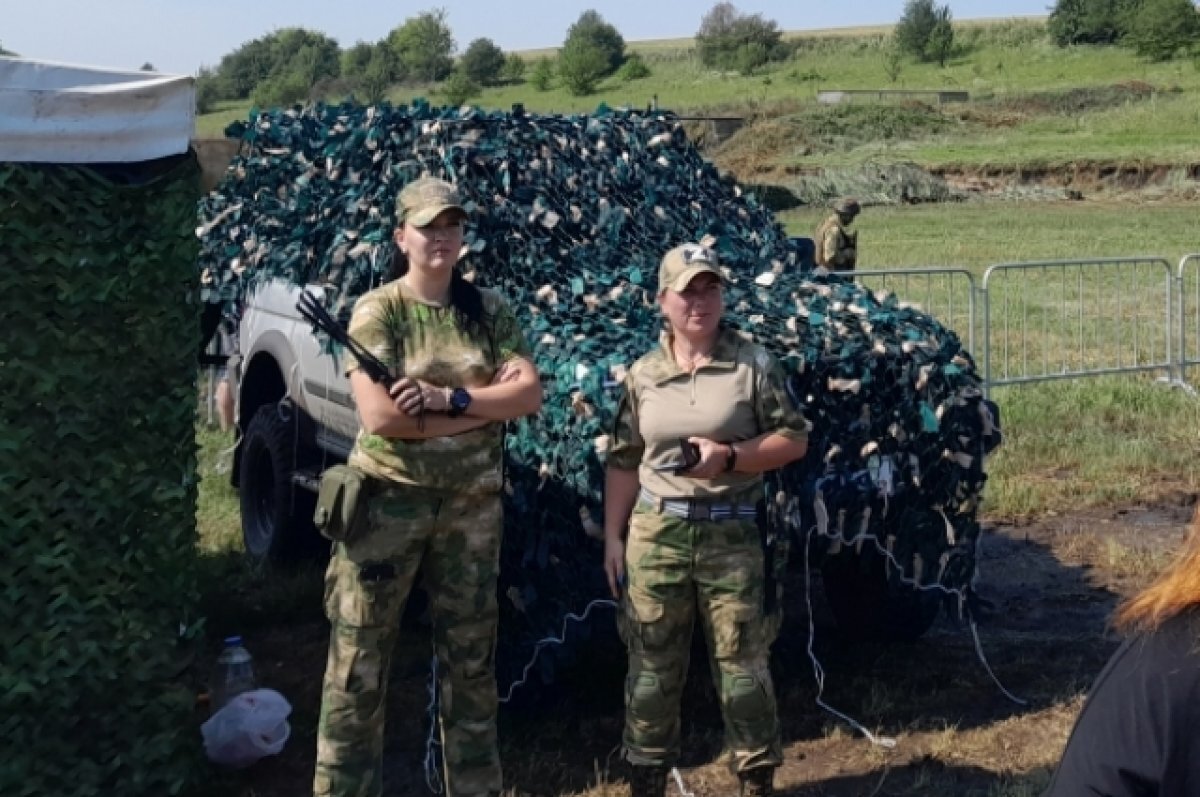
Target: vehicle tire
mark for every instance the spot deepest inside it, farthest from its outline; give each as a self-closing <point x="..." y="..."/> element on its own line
<point x="277" y="525"/>
<point x="868" y="605"/>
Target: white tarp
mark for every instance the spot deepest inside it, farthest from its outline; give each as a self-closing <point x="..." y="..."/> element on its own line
<point x="55" y="113"/>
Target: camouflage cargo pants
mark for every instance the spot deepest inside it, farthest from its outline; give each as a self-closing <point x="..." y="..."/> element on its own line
<point x="674" y="566"/>
<point x="457" y="539"/>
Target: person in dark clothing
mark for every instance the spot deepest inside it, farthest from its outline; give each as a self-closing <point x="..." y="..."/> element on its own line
<point x="1138" y="734"/>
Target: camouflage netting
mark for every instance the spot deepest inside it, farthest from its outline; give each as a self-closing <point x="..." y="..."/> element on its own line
<point x="571" y="215"/>
<point x="97" y="470"/>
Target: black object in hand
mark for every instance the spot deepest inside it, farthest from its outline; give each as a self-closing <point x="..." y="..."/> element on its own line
<point x="310" y="310"/>
<point x="689" y="457"/>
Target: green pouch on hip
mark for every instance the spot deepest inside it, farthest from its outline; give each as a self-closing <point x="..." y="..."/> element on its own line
<point x="341" y="502"/>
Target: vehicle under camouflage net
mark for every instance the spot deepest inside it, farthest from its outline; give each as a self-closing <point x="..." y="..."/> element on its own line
<point x="570" y="218"/>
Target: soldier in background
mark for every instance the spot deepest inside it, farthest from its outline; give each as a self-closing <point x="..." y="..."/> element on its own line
<point x="682" y="526"/>
<point x="837" y="247"/>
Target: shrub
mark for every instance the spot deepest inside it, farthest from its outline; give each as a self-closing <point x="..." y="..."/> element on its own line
<point x="483" y="62"/>
<point x="925" y="31"/>
<point x="1161" y="28"/>
<point x="591" y="34"/>
<point x="207" y="90"/>
<point x="281" y="90"/>
<point x="459" y="88"/>
<point x="423" y="45"/>
<point x="941" y="39"/>
<point x="370" y="70"/>
<point x="542" y="75"/>
<point x="582" y="65"/>
<point x="285" y="57"/>
<point x="1090" y="21"/>
<point x="729" y="39"/>
<point x="750" y="56"/>
<point x="634" y="68"/>
<point x="893" y="62"/>
<point x="514" y="68"/>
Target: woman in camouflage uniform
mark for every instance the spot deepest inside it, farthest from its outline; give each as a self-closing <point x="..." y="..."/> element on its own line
<point x="432" y="445"/>
<point x="693" y="537"/>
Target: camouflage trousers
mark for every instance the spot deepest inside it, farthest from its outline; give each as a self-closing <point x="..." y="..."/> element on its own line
<point x="456" y="538"/>
<point x="674" y="566"/>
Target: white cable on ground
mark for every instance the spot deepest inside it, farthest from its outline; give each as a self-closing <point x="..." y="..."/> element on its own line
<point x="433" y="776"/>
<point x="224" y="458"/>
<point x="988" y="667"/>
<point x="683" y="792"/>
<point x="819" y="671"/>
<point x="822" y="515"/>
<point x="554" y="641"/>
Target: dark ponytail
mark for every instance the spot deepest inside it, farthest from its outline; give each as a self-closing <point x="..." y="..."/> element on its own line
<point x="465" y="298"/>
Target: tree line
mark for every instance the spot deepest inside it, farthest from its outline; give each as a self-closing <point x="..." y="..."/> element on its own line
<point x="293" y="64"/>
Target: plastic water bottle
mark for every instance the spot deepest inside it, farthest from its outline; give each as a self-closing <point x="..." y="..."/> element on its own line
<point x="234" y="673"/>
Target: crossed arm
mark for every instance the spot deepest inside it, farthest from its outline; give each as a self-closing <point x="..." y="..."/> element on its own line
<point x="416" y="410"/>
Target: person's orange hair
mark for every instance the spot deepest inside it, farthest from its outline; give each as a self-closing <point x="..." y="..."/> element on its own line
<point x="1175" y="591"/>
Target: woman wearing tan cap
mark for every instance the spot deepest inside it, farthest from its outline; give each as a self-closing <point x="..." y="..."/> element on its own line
<point x="431" y="447"/>
<point x="702" y="417"/>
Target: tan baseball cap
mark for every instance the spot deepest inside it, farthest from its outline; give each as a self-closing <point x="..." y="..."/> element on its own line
<point x="424" y="199"/>
<point x="681" y="265"/>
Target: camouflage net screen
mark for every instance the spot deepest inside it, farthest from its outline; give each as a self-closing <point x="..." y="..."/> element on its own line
<point x="97" y="470"/>
<point x="570" y="218"/>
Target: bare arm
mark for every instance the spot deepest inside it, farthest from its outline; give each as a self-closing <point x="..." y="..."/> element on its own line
<point x="621" y="489"/>
<point x="768" y="451"/>
<point x="515" y="393"/>
<point x="380" y="415"/>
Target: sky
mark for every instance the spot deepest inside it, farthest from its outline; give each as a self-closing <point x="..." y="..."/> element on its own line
<point x="179" y="37"/>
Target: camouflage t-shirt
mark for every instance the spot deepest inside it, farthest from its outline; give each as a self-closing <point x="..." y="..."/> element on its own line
<point x="426" y="342"/>
<point x="738" y="395"/>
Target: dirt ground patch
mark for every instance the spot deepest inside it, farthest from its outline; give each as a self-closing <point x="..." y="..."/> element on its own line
<point x="1048" y="586"/>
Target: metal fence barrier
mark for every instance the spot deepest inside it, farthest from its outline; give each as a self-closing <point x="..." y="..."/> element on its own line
<point x="947" y="294"/>
<point x="1061" y="319"/>
<point x="1058" y="319"/>
<point x="1187" y="278"/>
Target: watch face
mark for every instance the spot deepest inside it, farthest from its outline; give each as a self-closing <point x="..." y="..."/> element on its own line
<point x="460" y="399"/>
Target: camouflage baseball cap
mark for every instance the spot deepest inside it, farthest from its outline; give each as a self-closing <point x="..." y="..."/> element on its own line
<point x="681" y="265"/>
<point x="424" y="199"/>
<point x="847" y="205"/>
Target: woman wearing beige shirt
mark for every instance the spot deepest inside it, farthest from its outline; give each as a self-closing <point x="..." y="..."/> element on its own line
<point x="680" y="538"/>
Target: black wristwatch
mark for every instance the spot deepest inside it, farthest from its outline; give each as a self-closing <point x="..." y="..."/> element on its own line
<point x="460" y="399"/>
<point x="731" y="459"/>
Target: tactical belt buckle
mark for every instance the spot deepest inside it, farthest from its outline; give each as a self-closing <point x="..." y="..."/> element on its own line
<point x="699" y="510"/>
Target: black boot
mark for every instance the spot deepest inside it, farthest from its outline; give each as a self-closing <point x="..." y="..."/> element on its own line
<point x="758" y="782"/>
<point x="647" y="781"/>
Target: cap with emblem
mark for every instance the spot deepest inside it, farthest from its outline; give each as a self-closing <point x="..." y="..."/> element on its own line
<point x="682" y="264"/>
<point x="423" y="200"/>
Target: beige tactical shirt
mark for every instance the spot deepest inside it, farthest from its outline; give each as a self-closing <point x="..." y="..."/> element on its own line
<point x="737" y="395"/>
<point x="427" y="342"/>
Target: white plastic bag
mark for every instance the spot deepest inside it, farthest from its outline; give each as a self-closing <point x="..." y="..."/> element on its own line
<point x="250" y="726"/>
